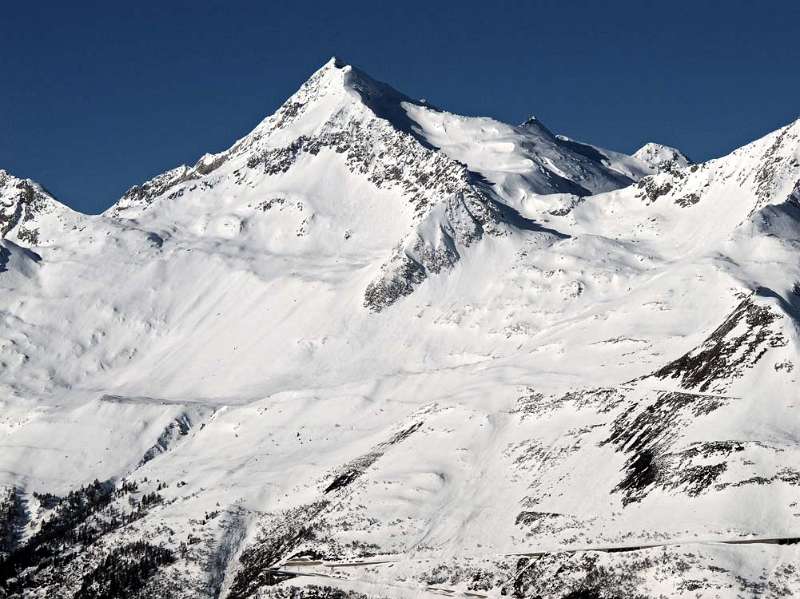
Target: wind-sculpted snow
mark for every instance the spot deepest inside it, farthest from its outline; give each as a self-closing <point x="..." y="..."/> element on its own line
<point x="375" y="349"/>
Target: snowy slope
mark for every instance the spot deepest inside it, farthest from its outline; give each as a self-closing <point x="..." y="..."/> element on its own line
<point x="378" y="349"/>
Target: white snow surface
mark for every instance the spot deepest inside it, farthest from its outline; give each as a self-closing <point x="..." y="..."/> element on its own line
<point x="388" y="333"/>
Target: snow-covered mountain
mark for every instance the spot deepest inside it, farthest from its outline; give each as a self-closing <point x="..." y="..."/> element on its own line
<point x="453" y="179"/>
<point x="376" y="349"/>
<point x="658" y="156"/>
<point x="28" y="213"/>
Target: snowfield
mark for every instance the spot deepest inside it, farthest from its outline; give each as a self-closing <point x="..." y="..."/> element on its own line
<point x="376" y="349"/>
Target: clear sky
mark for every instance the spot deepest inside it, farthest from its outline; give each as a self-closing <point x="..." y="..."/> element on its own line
<point x="98" y="96"/>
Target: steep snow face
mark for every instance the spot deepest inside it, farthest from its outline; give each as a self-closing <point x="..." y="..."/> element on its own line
<point x="383" y="348"/>
<point x="658" y="156"/>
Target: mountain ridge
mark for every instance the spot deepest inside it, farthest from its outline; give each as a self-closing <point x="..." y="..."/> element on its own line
<point x="405" y="355"/>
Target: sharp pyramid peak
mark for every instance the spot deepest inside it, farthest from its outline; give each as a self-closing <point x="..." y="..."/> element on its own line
<point x="535" y="125"/>
<point x="356" y="79"/>
<point x="340" y="79"/>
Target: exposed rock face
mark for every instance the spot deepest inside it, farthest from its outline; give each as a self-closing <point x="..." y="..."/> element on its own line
<point x="30" y="216"/>
<point x="738" y="343"/>
<point x="21" y="202"/>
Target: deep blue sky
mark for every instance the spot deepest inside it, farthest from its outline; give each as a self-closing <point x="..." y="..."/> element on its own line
<point x="98" y="96"/>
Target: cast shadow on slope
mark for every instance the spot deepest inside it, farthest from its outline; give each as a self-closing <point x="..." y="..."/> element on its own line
<point x="386" y="102"/>
<point x="9" y="248"/>
<point x="516" y="220"/>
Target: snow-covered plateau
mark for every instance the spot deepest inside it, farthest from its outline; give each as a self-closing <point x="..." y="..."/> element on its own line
<point x="379" y="350"/>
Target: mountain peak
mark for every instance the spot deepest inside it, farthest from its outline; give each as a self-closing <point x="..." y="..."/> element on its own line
<point x="335" y="63"/>
<point x="339" y="72"/>
<point x="657" y="156"/>
<point x="334" y="67"/>
<point x="24" y="206"/>
<point x="534" y="124"/>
